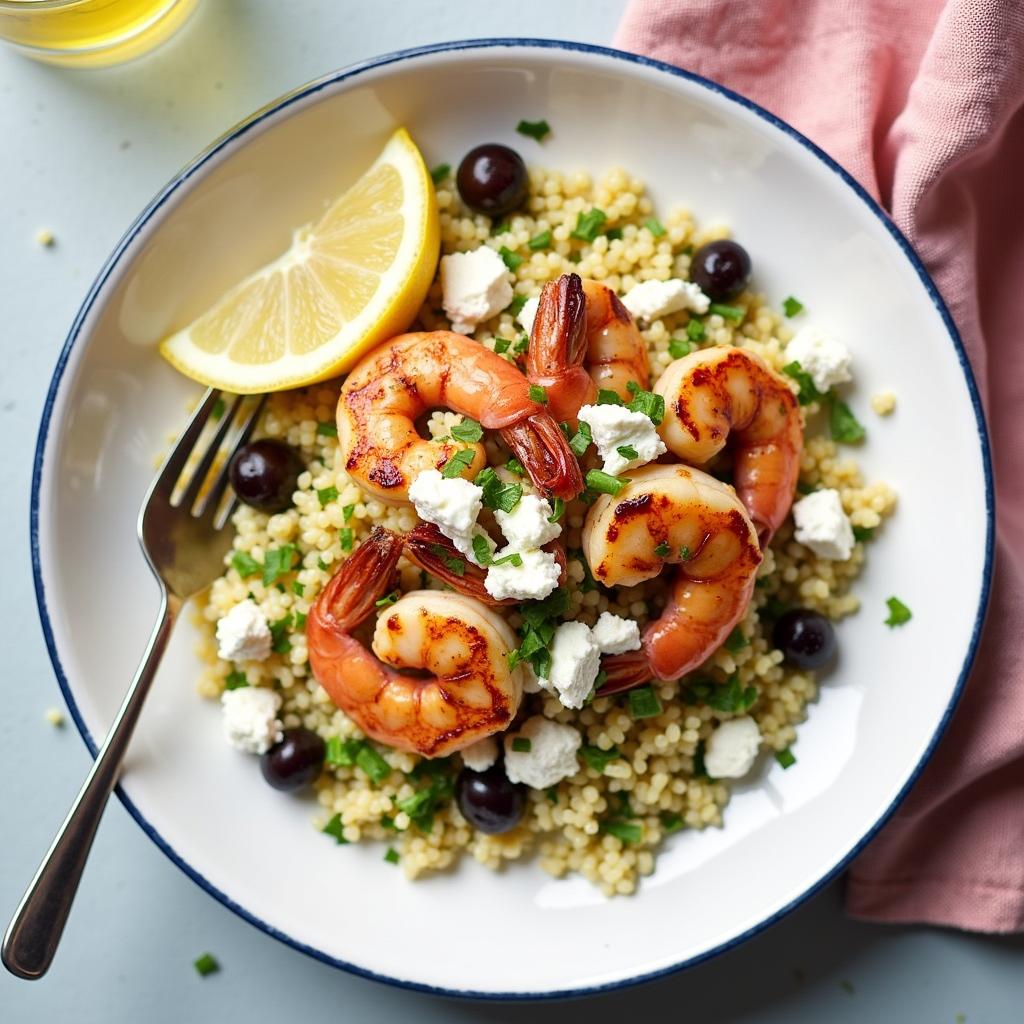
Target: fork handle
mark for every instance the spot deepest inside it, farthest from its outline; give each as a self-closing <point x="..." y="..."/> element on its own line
<point x="35" y="930"/>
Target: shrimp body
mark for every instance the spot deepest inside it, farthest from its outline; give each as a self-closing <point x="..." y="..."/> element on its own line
<point x="680" y="516"/>
<point x="463" y="688"/>
<point x="716" y="394"/>
<point x="583" y="339"/>
<point x="403" y="378"/>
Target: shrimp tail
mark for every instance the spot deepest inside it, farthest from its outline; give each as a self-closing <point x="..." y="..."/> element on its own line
<point x="541" y="447"/>
<point x="363" y="579"/>
<point x="624" y="671"/>
<point x="427" y="547"/>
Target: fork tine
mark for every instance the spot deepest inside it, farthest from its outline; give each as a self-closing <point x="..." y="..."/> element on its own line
<point x="199" y="475"/>
<point x="212" y="499"/>
<point x="163" y="486"/>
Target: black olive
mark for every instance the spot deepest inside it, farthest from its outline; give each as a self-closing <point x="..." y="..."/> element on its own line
<point x="265" y="474"/>
<point x="492" y="180"/>
<point x="488" y="801"/>
<point x="721" y="269"/>
<point x="806" y="638"/>
<point x="295" y="761"/>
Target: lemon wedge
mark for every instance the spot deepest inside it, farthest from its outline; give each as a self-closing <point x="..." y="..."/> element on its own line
<point x="348" y="282"/>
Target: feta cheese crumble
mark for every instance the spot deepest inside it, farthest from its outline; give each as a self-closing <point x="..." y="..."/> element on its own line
<point x="528" y="314"/>
<point x="732" y="748"/>
<point x="249" y="718"/>
<point x="475" y="286"/>
<point x="534" y="579"/>
<point x="652" y="299"/>
<point x="575" y="662"/>
<point x="452" y="505"/>
<point x="823" y="526"/>
<point x="820" y="355"/>
<point x="479" y="756"/>
<point x="243" y="634"/>
<point x="614" y="427"/>
<point x="551" y="757"/>
<point x="616" y="635"/>
<point x="527" y="526"/>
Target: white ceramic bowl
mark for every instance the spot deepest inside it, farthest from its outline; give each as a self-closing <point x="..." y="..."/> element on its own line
<point x="812" y="232"/>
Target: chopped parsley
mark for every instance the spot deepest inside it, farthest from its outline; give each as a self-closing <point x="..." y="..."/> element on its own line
<point x="627" y="451"/>
<point x="643" y="702"/>
<point x="662" y="549"/>
<point x="589" y="224"/>
<point x="655" y="226"/>
<point x="335" y="828"/>
<point x="345" y="538"/>
<point x="785" y="757"/>
<point x="729" y="696"/>
<point x="695" y="330"/>
<point x="392" y="855"/>
<point x="650" y="404"/>
<point x="624" y="831"/>
<point x="327" y="495"/>
<point x="468" y="431"/>
<point x="671" y="822"/>
<point x="534" y="129"/>
<point x="458" y="464"/>
<point x="541" y="241"/>
<point x="298" y="589"/>
<point x="498" y="494"/>
<point x="736" y="641"/>
<point x="244" y="564"/>
<point x="277" y="562"/>
<point x="515" y="307"/>
<point x="604" y="483"/>
<point x="235" y="680"/>
<point x="521" y="745"/>
<point x="538" y="630"/>
<point x="522" y="344"/>
<point x="684" y="554"/>
<point x="501" y="345"/>
<point x="512" y="260"/>
<point x="370" y="761"/>
<point x="387" y="599"/>
<point x="206" y="964"/>
<point x="327" y="429"/>
<point x="606" y="396"/>
<point x="515" y="466"/>
<point x="500" y="229"/>
<point x="280" y="642"/>
<point x="597" y="759"/>
<point x="679" y="347"/>
<point x="843" y="425"/>
<point x="808" y="391"/>
<point x="452" y="562"/>
<point x="346" y="512"/>
<point x="425" y="803"/>
<point x="612" y="234"/>
<point x="582" y="439"/>
<point x="538" y="394"/>
<point x="440" y="172"/>
<point x="899" y="613"/>
<point x="322" y="565"/>
<point x="863" y="533"/>
<point x="791" y="306"/>
<point x="557" y="511"/>
<point x="734" y="313"/>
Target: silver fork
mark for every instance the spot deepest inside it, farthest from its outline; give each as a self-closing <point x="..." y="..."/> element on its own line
<point x="181" y="530"/>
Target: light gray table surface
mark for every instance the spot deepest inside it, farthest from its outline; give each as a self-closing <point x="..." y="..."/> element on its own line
<point x="80" y="154"/>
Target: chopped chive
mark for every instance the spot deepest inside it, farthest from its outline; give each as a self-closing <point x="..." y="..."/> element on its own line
<point x="679" y="347"/>
<point x="514" y="559"/>
<point x="541" y="241"/>
<point x="899" y="613"/>
<point x="325" y="566"/>
<point x="843" y="425"/>
<point x="684" y="554"/>
<point x="440" y="172"/>
<point x="670" y="822"/>
<point x="298" y="589"/>
<point x="643" y="702"/>
<point x="589" y="224"/>
<point x="624" y="831"/>
<point x="335" y="828"/>
<point x="244" y="564"/>
<point x="346" y="512"/>
<point x="206" y="964"/>
<point x="662" y="549"/>
<point x="612" y="234"/>
<point x="218" y="409"/>
<point x="392" y="855"/>
<point x="387" y="599"/>
<point x="373" y="764"/>
<point x="277" y="562"/>
<point x="457" y="464"/>
<point x="786" y="758"/>
<point x="235" y="680"/>
<point x="863" y="533"/>
<point x="327" y="429"/>
<point x="558" y="511"/>
<point x="280" y="642"/>
<point x="736" y="641"/>
<point x="327" y="495"/>
<point x="515" y="307"/>
<point x="605" y="396"/>
<point x="695" y="330"/>
<point x="808" y="391"/>
<point x="512" y="260"/>
<point x="582" y="439"/>
<point x="791" y="306"/>
<point x="534" y="129"/>
<point x="467" y="431"/>
<point x="604" y="483"/>
<point x="596" y="758"/>
<point x="515" y="466"/>
<point x="655" y="226"/>
<point x="501" y="345"/>
<point x="650" y="404"/>
<point x="521" y="745"/>
<point x="735" y="313"/>
<point x="345" y="537"/>
<point x="627" y="451"/>
<point x="538" y="394"/>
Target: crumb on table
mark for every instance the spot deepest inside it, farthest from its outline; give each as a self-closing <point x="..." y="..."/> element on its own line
<point x="55" y="717"/>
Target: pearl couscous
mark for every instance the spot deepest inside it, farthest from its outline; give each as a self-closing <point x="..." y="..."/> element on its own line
<point x="638" y="779"/>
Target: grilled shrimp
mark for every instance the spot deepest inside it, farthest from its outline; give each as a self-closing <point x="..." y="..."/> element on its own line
<point x="583" y="339"/>
<point x="680" y="516"/>
<point x="404" y="377"/>
<point x="467" y="691"/>
<point x="715" y="392"/>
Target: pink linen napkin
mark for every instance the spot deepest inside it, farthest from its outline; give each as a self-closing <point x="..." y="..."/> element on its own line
<point x="923" y="101"/>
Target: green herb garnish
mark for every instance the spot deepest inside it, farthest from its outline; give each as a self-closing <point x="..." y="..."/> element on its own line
<point x="500" y="229"/>
<point x="736" y="641"/>
<point x="280" y="642"/>
<point x="515" y="466"/>
<point x="327" y="429"/>
<point x="298" y="589"/>
<point x="695" y="330"/>
<point x="605" y="396"/>
<point x="863" y="533"/>
<point x="662" y="549"/>
<point x="497" y="494"/>
<point x="376" y="768"/>
<point x="515" y="307"/>
<point x="453" y="563"/>
<point x="557" y="511"/>
<point x="679" y="347"/>
<point x="655" y="227"/>
<point x="624" y="831"/>
<point x="521" y="745"/>
<point x="596" y="758"/>
<point x="538" y="394"/>
<point x="589" y="224"/>
<point x="627" y="451"/>
<point x="501" y="345"/>
<point x="522" y="344"/>
<point x="468" y="431"/>
<point x="345" y="538"/>
<point x="244" y="564"/>
<point x="843" y="425"/>
<point x="218" y="409"/>
<point x="604" y="483"/>
<point x="335" y="828"/>
<point x="582" y="439"/>
<point x="327" y="495"/>
<point x="734" y="313"/>
<point x="512" y="260"/>
<point x="387" y="599"/>
<point x="650" y="404"/>
<point x="541" y="241"/>
<point x="392" y="855"/>
<point x="277" y="562"/>
<point x="729" y="696"/>
<point x="786" y="758"/>
<point x="684" y="554"/>
<point x="643" y="702"/>
<point x="792" y="306"/>
<point x="808" y="391"/>
<point x="346" y="512"/>
<point x="534" y="129"/>
<point x="613" y="233"/>
<point x="457" y="464"/>
<point x="440" y="172"/>
<point x="899" y="613"/>
<point x="235" y="680"/>
<point x="671" y="822"/>
<point x="206" y="964"/>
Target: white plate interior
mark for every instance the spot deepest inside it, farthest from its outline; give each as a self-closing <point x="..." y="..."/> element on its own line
<point x="809" y="235"/>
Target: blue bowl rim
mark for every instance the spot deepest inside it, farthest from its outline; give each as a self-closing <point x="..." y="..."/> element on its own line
<point x="352" y="71"/>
